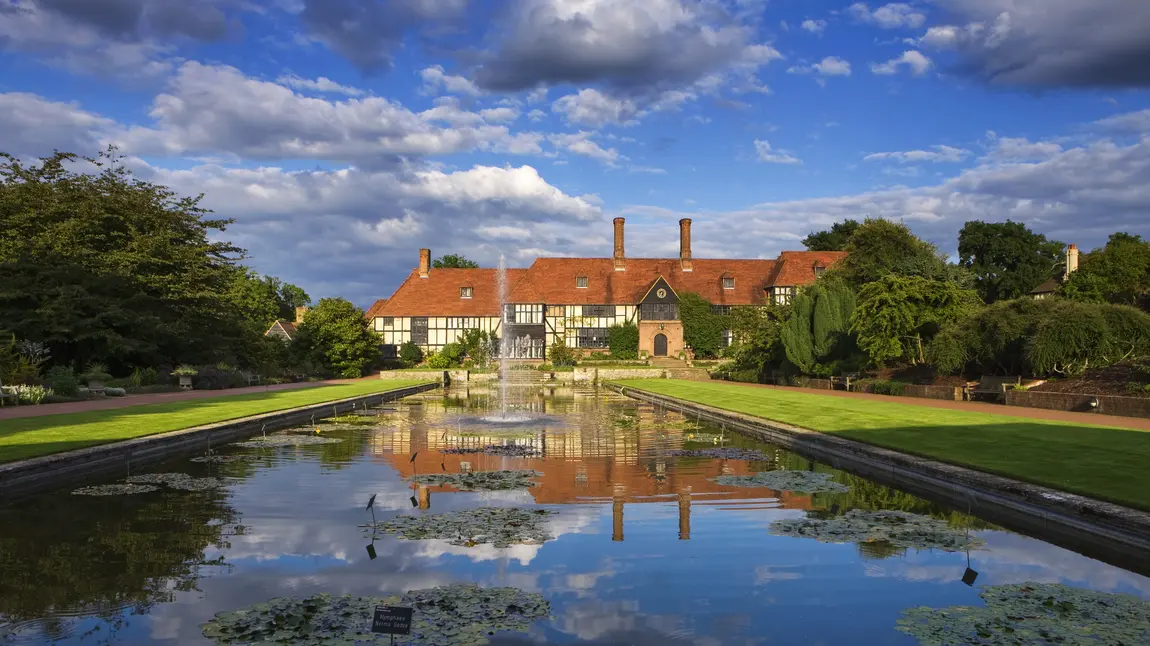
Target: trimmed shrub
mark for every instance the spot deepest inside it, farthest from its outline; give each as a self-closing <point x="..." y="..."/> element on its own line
<point x="454" y="353"/>
<point x="437" y="361"/>
<point x="115" y="392"/>
<point x="63" y="381"/>
<point x="888" y="388"/>
<point x="624" y="341"/>
<point x="410" y="354"/>
<point x="560" y="355"/>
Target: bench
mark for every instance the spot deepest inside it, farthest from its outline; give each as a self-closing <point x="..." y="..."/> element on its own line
<point x="847" y="380"/>
<point x="8" y="392"/>
<point x="995" y="386"/>
<point x="251" y="378"/>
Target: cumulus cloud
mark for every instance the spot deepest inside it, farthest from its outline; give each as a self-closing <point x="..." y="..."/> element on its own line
<point x="814" y="26"/>
<point x="1020" y="148"/>
<point x="33" y="126"/>
<point x="768" y="154"/>
<point x="321" y="84"/>
<point x="590" y="107"/>
<point x="829" y="66"/>
<point x="913" y="60"/>
<point x="890" y="16"/>
<point x="1132" y="122"/>
<point x="436" y="80"/>
<point x="623" y="44"/>
<point x="939" y="154"/>
<point x="580" y="143"/>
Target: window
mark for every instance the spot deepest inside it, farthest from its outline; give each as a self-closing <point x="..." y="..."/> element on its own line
<point x="419" y="330"/>
<point x="820" y="270"/>
<point x="728" y="282"/>
<point x="465" y="292"/>
<point x="598" y="310"/>
<point x="782" y="295"/>
<point x="388" y="321"/>
<point x="523" y="314"/>
<point x="591" y="337"/>
<point x="721" y="310"/>
<point x="728" y="338"/>
<point x="659" y="311"/>
<point x="378" y="325"/>
<point x="581" y="282"/>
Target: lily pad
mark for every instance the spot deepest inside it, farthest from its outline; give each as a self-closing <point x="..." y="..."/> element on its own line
<point x="703" y="437"/>
<point x="181" y="481"/>
<point x="797" y="481"/>
<point x="287" y="440"/>
<point x="1034" y="614"/>
<point x="720" y="453"/>
<point x="221" y="459"/>
<point x="505" y="450"/>
<point x="481" y="480"/>
<point x="354" y="418"/>
<point x="460" y="614"/>
<point x="894" y="527"/>
<point x="115" y="490"/>
<point x="500" y="526"/>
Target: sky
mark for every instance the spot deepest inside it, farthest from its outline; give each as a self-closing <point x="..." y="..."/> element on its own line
<point x="343" y="135"/>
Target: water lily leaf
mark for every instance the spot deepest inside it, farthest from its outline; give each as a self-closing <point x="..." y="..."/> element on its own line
<point x="898" y="528"/>
<point x="1034" y="614"/>
<point x="222" y="459"/>
<point x="289" y="439"/>
<point x="481" y="480"/>
<point x="798" y="481"/>
<point x="720" y="453"/>
<point x="505" y="450"/>
<point x="499" y="526"/>
<point x="181" y="481"/>
<point x="115" y="490"/>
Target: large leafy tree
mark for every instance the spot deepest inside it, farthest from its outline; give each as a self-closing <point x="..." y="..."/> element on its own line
<point x="817" y="331"/>
<point x="1117" y="273"/>
<point x="702" y="329"/>
<point x="1007" y="259"/>
<point x="833" y="239"/>
<point x="454" y="261"/>
<point x="336" y="334"/>
<point x="897" y="315"/>
<point x="879" y="247"/>
<point x="757" y="331"/>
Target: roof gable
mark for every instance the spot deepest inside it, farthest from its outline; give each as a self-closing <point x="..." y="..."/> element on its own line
<point x="439" y="294"/>
<point x="660" y="292"/>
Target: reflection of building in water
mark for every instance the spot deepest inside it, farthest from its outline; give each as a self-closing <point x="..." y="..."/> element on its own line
<point x="685" y="514"/>
<point x="617" y="513"/>
<point x="424" y="497"/>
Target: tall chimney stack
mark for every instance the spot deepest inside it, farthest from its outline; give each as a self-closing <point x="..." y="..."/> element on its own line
<point x="685" y="244"/>
<point x="424" y="262"/>
<point x="1071" y="261"/>
<point x="620" y="260"/>
<point x="300" y="312"/>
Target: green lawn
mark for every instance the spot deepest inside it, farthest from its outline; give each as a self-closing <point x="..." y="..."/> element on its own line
<point x="1097" y="461"/>
<point x="30" y="437"/>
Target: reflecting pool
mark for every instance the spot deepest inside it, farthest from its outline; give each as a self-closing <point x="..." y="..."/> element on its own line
<point x="645" y="545"/>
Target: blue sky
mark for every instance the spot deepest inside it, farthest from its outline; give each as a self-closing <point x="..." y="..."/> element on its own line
<point x="342" y="135"/>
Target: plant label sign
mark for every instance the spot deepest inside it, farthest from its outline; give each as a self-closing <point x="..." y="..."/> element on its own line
<point x="391" y="620"/>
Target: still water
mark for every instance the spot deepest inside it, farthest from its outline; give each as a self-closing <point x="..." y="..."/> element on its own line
<point x="647" y="548"/>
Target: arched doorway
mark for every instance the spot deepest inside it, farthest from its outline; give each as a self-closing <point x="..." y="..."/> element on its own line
<point x="660" y="345"/>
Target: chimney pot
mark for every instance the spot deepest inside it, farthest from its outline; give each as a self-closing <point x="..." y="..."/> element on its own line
<point x="620" y="260"/>
<point x="300" y="312"/>
<point x="685" y="245"/>
<point x="1071" y="261"/>
<point x="424" y="263"/>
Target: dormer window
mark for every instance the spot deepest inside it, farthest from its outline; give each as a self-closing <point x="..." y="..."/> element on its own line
<point x="728" y="282"/>
<point x="581" y="282"/>
<point x="465" y="292"/>
<point x="820" y="269"/>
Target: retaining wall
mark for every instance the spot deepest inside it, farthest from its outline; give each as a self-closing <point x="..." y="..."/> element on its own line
<point x="410" y="375"/>
<point x="1112" y="533"/>
<point x="27" y="477"/>
<point x="609" y="374"/>
<point x="1107" y="404"/>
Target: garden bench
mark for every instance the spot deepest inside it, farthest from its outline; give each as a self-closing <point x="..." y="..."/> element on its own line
<point x="8" y="392"/>
<point x="847" y="380"/>
<point x="251" y="378"/>
<point x="996" y="386"/>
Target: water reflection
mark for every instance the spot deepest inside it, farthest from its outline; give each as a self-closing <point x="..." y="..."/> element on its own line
<point x="648" y="548"/>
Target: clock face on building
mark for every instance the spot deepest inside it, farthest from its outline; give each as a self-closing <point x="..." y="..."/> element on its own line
<point x="661" y="293"/>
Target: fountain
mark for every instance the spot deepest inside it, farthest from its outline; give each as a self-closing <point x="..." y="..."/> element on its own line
<point x="509" y="347"/>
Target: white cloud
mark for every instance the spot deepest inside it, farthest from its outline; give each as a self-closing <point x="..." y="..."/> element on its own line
<point x="321" y="84"/>
<point x="1135" y="122"/>
<point x="889" y="16"/>
<point x="940" y="154"/>
<point x="911" y="59"/>
<point x="590" y="107"/>
<point x="436" y="80"/>
<point x="580" y="143"/>
<point x="768" y="154"/>
<point x="33" y="126"/>
<point x="1020" y="148"/>
<point x="499" y="115"/>
<point x="814" y="26"/>
<point x="833" y="66"/>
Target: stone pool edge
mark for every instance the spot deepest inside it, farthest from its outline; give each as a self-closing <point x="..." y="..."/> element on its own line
<point x="34" y="475"/>
<point x="1067" y="519"/>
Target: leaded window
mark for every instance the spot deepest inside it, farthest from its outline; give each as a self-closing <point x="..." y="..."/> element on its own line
<point x="523" y="314"/>
<point x="388" y="321"/>
<point x="581" y="282"/>
<point x="419" y="330"/>
<point x="591" y="337"/>
<point x="659" y="311"/>
<point x="598" y="311"/>
<point x="465" y="292"/>
<point x="721" y="310"/>
<point x="782" y="295"/>
<point x="728" y="282"/>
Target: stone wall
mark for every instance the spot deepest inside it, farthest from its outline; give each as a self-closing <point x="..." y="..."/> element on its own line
<point x="945" y="393"/>
<point x="1107" y="404"/>
<point x="613" y="374"/>
<point x="413" y="375"/>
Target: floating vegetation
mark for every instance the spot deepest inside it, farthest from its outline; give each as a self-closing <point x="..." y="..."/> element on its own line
<point x="354" y="418"/>
<point x="481" y="480"/>
<point x="505" y="450"/>
<point x="460" y="614"/>
<point x="500" y="526"/>
<point x="894" y="527"/>
<point x="115" y="490"/>
<point x="797" y="481"/>
<point x="287" y="440"/>
<point x="221" y="459"/>
<point x="1033" y="614"/>
<point x="721" y="453"/>
<point x="181" y="481"/>
<point x="704" y="437"/>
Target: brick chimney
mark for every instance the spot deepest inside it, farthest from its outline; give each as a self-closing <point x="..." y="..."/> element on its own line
<point x="424" y="262"/>
<point x="685" y="245"/>
<point x="620" y="260"/>
<point x="300" y="312"/>
<point x="1071" y="261"/>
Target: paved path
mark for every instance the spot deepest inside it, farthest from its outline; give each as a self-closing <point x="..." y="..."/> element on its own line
<point x="12" y="412"/>
<point x="1136" y="423"/>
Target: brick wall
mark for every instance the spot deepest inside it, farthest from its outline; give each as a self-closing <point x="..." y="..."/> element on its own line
<point x="410" y="375"/>
<point x="612" y="374"/>
<point x="946" y="393"/>
<point x="1107" y="404"/>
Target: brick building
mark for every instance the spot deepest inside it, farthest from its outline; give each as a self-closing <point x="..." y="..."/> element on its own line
<point x="578" y="299"/>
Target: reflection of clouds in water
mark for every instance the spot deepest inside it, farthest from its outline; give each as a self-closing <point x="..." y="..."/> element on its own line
<point x="764" y="574"/>
<point x="1011" y="558"/>
<point x="570" y="520"/>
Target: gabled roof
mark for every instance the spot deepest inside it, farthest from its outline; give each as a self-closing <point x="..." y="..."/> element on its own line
<point x="1048" y="287"/>
<point x="286" y="329"/>
<point x="798" y="267"/>
<point x="438" y="294"/>
<point x="375" y="308"/>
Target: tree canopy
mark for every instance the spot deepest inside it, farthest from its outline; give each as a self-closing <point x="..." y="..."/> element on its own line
<point x="897" y="315"/>
<point x="880" y="247"/>
<point x="336" y="333"/>
<point x="454" y="261"/>
<point x="1008" y="260"/>
<point x="833" y="239"/>
<point x="1117" y="273"/>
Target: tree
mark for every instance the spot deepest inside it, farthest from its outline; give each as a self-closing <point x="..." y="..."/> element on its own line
<point x="1007" y="259"/>
<point x="816" y="334"/>
<point x="702" y="329"/>
<point x="834" y="239"/>
<point x="336" y="333"/>
<point x="897" y="315"/>
<point x="757" y="331"/>
<point x="1117" y="273"/>
<point x="880" y="247"/>
<point x="623" y="340"/>
<point x="454" y="261"/>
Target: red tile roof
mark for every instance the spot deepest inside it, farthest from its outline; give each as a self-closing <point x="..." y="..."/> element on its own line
<point x="375" y="308"/>
<point x="798" y="267"/>
<point x="439" y="295"/>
